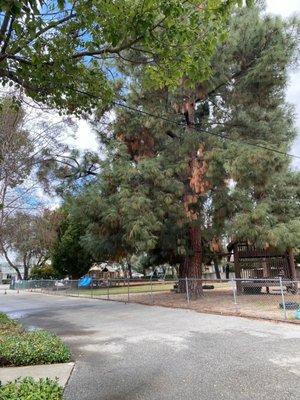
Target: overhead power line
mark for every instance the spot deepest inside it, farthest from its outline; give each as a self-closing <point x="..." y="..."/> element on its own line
<point x="197" y="129"/>
<point x="243" y="142"/>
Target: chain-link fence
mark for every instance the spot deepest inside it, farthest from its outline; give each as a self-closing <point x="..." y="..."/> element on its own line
<point x="277" y="298"/>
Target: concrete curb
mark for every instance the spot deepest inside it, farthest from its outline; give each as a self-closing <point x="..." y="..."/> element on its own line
<point x="60" y="371"/>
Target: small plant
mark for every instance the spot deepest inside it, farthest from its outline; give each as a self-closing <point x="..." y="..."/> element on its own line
<point x="18" y="347"/>
<point x="28" y="389"/>
<point x="8" y="325"/>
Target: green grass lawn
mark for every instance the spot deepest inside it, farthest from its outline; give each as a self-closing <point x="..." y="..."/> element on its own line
<point x="156" y="287"/>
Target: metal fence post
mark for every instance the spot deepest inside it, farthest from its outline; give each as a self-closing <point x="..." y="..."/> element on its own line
<point x="108" y="284"/>
<point x="187" y="290"/>
<point x="128" y="289"/>
<point x="151" y="291"/>
<point x="283" y="299"/>
<point x="234" y="294"/>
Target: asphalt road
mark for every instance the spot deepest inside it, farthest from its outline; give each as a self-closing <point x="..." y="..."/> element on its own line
<point x="134" y="352"/>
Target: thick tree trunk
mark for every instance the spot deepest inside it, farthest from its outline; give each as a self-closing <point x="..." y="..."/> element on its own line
<point x="191" y="267"/>
<point x="194" y="263"/>
<point x="195" y="186"/>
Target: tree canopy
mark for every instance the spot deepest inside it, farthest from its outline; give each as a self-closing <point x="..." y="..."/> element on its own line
<point x="67" y="53"/>
<point x="225" y="172"/>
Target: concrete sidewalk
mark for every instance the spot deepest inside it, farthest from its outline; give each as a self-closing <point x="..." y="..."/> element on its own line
<point x="52" y="371"/>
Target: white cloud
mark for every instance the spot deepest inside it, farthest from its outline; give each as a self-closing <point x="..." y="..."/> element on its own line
<point x="84" y="138"/>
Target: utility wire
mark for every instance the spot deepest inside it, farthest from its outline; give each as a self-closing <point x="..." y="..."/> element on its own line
<point x="243" y="142"/>
<point x="220" y="136"/>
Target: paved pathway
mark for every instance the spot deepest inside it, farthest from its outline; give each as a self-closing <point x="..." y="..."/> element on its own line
<point x="135" y="352"/>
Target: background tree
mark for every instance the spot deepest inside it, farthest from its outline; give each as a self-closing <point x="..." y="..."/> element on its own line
<point x="33" y="159"/>
<point x="68" y="256"/>
<point x="30" y="238"/>
<point x="44" y="272"/>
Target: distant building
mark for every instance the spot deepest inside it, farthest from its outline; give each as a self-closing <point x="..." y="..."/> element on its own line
<point x="7" y="272"/>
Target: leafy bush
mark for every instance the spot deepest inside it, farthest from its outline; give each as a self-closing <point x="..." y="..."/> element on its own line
<point x="8" y="325"/>
<point x="6" y="281"/>
<point x="29" y="348"/>
<point x="28" y="389"/>
<point x="18" y="347"/>
<point x="4" y="319"/>
<point x="44" y="272"/>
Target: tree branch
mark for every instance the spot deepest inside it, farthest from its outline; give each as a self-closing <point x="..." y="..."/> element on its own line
<point x="44" y="30"/>
<point x="10" y="263"/>
<point x="4" y="25"/>
<point x="6" y="41"/>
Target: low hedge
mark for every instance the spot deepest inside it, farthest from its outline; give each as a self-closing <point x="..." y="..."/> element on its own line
<point x="18" y="347"/>
<point x="9" y="327"/>
<point x="28" y="389"/>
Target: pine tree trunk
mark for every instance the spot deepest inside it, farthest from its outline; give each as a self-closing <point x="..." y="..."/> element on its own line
<point x="194" y="263"/>
<point x="192" y="268"/>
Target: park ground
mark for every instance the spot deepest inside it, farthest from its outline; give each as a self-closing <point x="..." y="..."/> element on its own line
<point x="136" y="352"/>
<point x="220" y="300"/>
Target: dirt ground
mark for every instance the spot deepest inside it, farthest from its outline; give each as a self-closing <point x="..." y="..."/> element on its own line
<point x="220" y="300"/>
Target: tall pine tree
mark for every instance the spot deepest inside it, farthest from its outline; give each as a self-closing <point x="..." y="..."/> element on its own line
<point x="184" y="168"/>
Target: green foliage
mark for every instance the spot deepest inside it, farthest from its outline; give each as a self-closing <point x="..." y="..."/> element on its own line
<point x="265" y="197"/>
<point x="18" y="347"/>
<point x="8" y="325"/>
<point x="62" y="52"/>
<point x="68" y="256"/>
<point x="43" y="272"/>
<point x="136" y="206"/>
<point x="29" y="389"/>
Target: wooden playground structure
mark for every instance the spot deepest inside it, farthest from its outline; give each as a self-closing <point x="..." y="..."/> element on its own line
<point x="263" y="266"/>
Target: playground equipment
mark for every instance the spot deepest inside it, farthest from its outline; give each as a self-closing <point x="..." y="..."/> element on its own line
<point x="85" y="282"/>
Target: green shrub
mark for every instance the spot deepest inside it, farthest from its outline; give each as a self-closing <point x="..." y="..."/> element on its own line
<point x="8" y="325"/>
<point x="18" y="347"/>
<point x="28" y="389"/>
<point x="29" y="348"/>
<point x="4" y="319"/>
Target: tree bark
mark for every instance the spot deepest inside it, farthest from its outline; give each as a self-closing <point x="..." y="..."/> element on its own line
<point x="194" y="263"/>
<point x="195" y="185"/>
